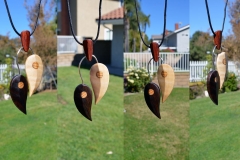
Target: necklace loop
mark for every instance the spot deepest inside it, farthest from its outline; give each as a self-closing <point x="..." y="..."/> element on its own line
<point x="164" y="26"/>
<point x="10" y="18"/>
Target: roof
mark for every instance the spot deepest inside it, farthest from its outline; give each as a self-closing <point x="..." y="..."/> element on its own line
<point x="115" y="14"/>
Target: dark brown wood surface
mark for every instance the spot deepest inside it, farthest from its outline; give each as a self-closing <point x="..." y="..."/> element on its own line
<point x="25" y="39"/>
<point x="155" y="51"/>
<point x="152" y="98"/>
<point x="83" y="100"/>
<point x="88" y="48"/>
<point x="18" y="92"/>
<point x="218" y="39"/>
<point x="213" y="84"/>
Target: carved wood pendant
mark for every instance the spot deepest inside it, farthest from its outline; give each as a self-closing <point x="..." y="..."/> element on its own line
<point x="18" y="92"/>
<point x="152" y="98"/>
<point x="83" y="100"/>
<point x="222" y="65"/>
<point x="155" y="51"/>
<point x="166" y="79"/>
<point x="25" y="39"/>
<point x="88" y="48"/>
<point x="213" y="84"/>
<point x="99" y="77"/>
<point x="34" y="71"/>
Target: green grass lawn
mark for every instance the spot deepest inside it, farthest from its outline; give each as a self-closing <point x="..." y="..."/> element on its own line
<point x="31" y="136"/>
<point x="214" y="130"/>
<point x="147" y="138"/>
<point x="79" y="138"/>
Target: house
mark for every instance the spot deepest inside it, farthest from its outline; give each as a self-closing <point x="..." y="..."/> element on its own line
<point x="85" y="23"/>
<point x="177" y="40"/>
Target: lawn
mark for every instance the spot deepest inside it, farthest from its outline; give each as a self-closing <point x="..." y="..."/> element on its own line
<point x="148" y="138"/>
<point x="214" y="130"/>
<point x="31" y="136"/>
<point x="79" y="138"/>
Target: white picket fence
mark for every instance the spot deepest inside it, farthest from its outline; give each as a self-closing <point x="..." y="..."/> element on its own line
<point x="4" y="66"/>
<point x="197" y="70"/>
<point x="179" y="61"/>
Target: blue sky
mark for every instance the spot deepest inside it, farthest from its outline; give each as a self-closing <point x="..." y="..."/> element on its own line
<point x="19" y="16"/>
<point x="186" y="12"/>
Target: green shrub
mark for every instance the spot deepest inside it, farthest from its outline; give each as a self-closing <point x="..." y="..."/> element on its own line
<point x="231" y="83"/>
<point x="136" y="80"/>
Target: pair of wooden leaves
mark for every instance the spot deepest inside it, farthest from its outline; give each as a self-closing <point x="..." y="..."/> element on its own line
<point x="166" y="79"/>
<point x="215" y="79"/>
<point x="99" y="77"/>
<point x="19" y="85"/>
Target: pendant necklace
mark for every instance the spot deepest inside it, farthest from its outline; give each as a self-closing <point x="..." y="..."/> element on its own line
<point x="99" y="74"/>
<point x="165" y="74"/>
<point x="19" y="85"/>
<point x="216" y="78"/>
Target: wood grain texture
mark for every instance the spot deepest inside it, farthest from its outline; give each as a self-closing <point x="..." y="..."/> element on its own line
<point x="34" y="71"/>
<point x="83" y="100"/>
<point x="222" y="64"/>
<point x="213" y="84"/>
<point x="25" y="39"/>
<point x="88" y="48"/>
<point x="18" y="92"/>
<point x="155" y="51"/>
<point x="99" y="77"/>
<point x="166" y="79"/>
<point x="218" y="39"/>
<point x="152" y="98"/>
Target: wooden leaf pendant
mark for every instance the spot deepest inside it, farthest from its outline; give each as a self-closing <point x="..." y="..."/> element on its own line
<point x="18" y="92"/>
<point x="217" y="39"/>
<point x="166" y="79"/>
<point x="152" y="98"/>
<point x="34" y="71"/>
<point x="222" y="67"/>
<point x="213" y="84"/>
<point x="155" y="51"/>
<point x="99" y="77"/>
<point x="88" y="48"/>
<point x="25" y="39"/>
<point x="83" y="100"/>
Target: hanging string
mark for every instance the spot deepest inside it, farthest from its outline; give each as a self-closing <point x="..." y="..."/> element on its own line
<point x="10" y="18"/>
<point x="71" y="26"/>
<point x="209" y="19"/>
<point x="164" y="25"/>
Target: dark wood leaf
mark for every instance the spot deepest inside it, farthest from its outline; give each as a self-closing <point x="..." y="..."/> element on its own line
<point x="213" y="84"/>
<point x="83" y="100"/>
<point x="25" y="39"/>
<point x="18" y="92"/>
<point x="152" y="98"/>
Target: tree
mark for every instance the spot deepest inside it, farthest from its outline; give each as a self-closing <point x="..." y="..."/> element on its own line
<point x="131" y="26"/>
<point x="200" y="44"/>
<point x="44" y="41"/>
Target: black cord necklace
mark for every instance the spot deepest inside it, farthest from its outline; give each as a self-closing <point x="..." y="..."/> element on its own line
<point x="25" y="35"/>
<point x="218" y="34"/>
<point x="87" y="43"/>
<point x="153" y="45"/>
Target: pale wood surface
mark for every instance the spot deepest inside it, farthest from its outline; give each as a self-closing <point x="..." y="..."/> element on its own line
<point x="166" y="79"/>
<point x="99" y="77"/>
<point x="34" y="71"/>
<point x="222" y="67"/>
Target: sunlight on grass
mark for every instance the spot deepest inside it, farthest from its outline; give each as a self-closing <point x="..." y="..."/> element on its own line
<point x="214" y="130"/>
<point x="79" y="138"/>
<point x="147" y="137"/>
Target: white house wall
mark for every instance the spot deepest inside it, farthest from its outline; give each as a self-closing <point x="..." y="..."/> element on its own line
<point x="171" y="41"/>
<point x="117" y="46"/>
<point x="183" y="41"/>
